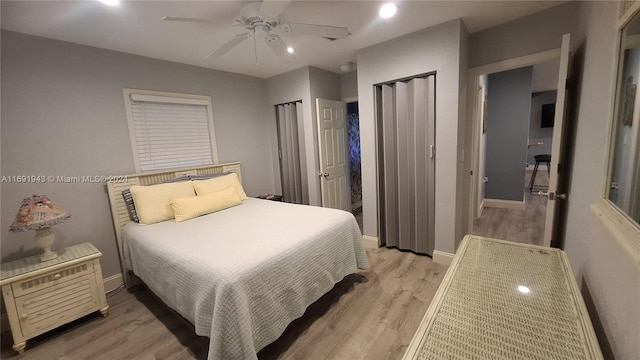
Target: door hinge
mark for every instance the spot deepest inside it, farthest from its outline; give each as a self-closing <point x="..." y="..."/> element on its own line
<point x="280" y="154"/>
<point x="471" y="172"/>
<point x="432" y="151"/>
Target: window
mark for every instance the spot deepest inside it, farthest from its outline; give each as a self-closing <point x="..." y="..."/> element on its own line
<point x="620" y="208"/>
<point x="170" y="130"/>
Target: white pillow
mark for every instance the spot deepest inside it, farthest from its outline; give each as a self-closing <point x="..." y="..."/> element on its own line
<point x="153" y="202"/>
<point x="204" y="187"/>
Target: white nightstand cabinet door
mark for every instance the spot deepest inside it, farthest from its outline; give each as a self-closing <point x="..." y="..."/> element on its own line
<point x="47" y="308"/>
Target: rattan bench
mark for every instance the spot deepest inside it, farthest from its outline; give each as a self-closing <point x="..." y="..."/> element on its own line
<point x="503" y="300"/>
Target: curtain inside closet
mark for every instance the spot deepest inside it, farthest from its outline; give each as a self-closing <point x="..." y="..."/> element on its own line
<point x="291" y="153"/>
<point x="406" y="163"/>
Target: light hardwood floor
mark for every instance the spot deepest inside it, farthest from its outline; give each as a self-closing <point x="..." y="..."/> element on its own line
<point x="370" y="315"/>
<point x="524" y="226"/>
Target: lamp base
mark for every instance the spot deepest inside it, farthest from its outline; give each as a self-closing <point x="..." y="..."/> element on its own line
<point x="44" y="240"/>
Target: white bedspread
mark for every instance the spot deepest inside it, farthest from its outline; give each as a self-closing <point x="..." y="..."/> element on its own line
<point x="241" y="275"/>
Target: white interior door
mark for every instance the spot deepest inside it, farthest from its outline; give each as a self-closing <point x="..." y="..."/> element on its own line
<point x="555" y="194"/>
<point x="334" y="159"/>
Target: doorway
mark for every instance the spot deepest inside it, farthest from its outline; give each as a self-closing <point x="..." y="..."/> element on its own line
<point x="291" y="153"/>
<point x="405" y="142"/>
<point x="510" y="135"/>
<point x="515" y="149"/>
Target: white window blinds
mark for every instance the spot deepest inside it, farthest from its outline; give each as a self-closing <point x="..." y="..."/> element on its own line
<point x="171" y="132"/>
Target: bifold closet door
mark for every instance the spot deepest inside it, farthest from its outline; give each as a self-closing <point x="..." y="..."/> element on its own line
<point x="406" y="139"/>
<point x="290" y="138"/>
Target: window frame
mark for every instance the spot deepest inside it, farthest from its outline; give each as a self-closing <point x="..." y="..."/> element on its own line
<point x="167" y="98"/>
<point x="621" y="226"/>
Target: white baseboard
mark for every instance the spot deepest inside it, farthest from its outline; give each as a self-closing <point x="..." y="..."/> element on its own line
<point x="113" y="282"/>
<point x="504" y="204"/>
<point x="443" y="258"/>
<point x="370" y="242"/>
<point x="110" y="283"/>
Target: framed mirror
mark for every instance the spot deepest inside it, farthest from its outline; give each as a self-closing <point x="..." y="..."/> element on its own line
<point x="623" y="187"/>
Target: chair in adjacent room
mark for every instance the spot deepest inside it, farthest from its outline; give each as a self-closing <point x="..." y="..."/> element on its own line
<point x="542" y="158"/>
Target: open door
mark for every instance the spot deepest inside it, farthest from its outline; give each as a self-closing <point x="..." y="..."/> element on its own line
<point x="558" y="154"/>
<point x="334" y="156"/>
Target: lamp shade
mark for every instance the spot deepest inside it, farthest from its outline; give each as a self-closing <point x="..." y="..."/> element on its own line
<point x="38" y="212"/>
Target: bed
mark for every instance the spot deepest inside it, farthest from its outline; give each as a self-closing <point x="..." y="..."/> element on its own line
<point x="239" y="275"/>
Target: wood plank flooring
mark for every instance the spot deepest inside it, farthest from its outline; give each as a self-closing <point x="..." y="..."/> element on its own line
<point x="369" y="315"/>
<point x="524" y="226"/>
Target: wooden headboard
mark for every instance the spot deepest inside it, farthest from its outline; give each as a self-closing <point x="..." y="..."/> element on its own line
<point x="119" y="212"/>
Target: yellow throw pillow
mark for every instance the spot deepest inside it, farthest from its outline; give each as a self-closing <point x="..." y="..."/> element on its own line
<point x="152" y="202"/>
<point x="194" y="206"/>
<point x="204" y="187"/>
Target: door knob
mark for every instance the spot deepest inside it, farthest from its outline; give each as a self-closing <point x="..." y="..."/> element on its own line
<point x="552" y="196"/>
<point x="325" y="174"/>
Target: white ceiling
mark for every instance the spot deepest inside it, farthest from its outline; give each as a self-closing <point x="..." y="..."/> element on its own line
<point x="136" y="27"/>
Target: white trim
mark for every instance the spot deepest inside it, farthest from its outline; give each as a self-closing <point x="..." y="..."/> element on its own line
<point x="504" y="204"/>
<point x="370" y="242"/>
<point x="481" y="209"/>
<point x="113" y="282"/>
<point x="516" y="63"/>
<point x="110" y="283"/>
<point x="204" y="100"/>
<point x="443" y="258"/>
<point x="350" y="99"/>
<point x="476" y="119"/>
<point x="623" y="230"/>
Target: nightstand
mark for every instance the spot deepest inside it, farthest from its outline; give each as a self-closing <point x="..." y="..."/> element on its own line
<point x="40" y="296"/>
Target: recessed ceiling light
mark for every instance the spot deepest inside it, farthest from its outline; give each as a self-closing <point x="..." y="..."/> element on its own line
<point x="110" y="2"/>
<point x="388" y="10"/>
<point x="290" y="50"/>
<point x="524" y="289"/>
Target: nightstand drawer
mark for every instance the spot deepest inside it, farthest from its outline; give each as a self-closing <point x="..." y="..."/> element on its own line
<point x="51" y="278"/>
<point x="42" y="310"/>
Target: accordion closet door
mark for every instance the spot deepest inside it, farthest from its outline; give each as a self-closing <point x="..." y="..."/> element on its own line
<point x="406" y="163"/>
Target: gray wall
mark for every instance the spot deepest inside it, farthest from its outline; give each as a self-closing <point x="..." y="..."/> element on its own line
<point x="349" y="84"/>
<point x="63" y="114"/>
<point x="536" y="133"/>
<point x="608" y="276"/>
<point x="433" y="49"/>
<point x="304" y="84"/>
<point x="520" y="37"/>
<point x="508" y="111"/>
<point x="288" y="87"/>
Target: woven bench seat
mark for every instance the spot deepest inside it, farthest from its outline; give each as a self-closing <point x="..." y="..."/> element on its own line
<point x="503" y="300"/>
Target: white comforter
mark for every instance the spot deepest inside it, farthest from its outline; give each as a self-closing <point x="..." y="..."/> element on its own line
<point x="241" y="275"/>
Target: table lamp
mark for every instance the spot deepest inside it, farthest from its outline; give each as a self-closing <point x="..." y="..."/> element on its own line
<point x="39" y="213"/>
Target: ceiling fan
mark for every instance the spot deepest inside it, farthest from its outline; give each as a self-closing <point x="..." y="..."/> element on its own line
<point x="262" y="18"/>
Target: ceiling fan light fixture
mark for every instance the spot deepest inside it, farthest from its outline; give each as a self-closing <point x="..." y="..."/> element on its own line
<point x="388" y="10"/>
<point x="348" y="66"/>
<point x="110" y="2"/>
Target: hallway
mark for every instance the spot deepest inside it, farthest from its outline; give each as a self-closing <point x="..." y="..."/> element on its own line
<point x="523" y="226"/>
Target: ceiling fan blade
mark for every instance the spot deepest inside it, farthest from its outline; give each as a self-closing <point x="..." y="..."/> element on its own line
<point x="178" y="18"/>
<point x="273" y="8"/>
<point x="277" y="45"/>
<point x="329" y="32"/>
<point x="228" y="46"/>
